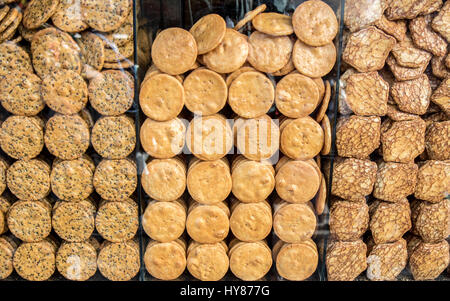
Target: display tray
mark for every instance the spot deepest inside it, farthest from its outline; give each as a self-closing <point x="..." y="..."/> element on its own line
<point x="157" y="15"/>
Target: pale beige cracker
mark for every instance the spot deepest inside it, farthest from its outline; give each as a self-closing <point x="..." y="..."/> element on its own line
<point x="165" y="260"/>
<point x="294" y="223"/>
<point x="252" y="181"/>
<point x="163" y="139"/>
<point x="325" y="102"/>
<point x="268" y="53"/>
<point x="251" y="94"/>
<point x="161" y="97"/>
<point x="205" y="92"/>
<point x="158" y="185"/>
<point x="209" y="137"/>
<point x="250" y="261"/>
<point x="207" y="224"/>
<point x="296" y="96"/>
<point x="164" y="221"/>
<point x="249" y="16"/>
<point x="208" y="32"/>
<point x="313" y="61"/>
<point x="174" y="51"/>
<point x="258" y="138"/>
<point x="302" y="138"/>
<point x="273" y="24"/>
<point x="315" y="23"/>
<point x="297" y="181"/>
<point x="251" y="222"/>
<point x="209" y="182"/>
<point x="230" y="55"/>
<point x="297" y="262"/>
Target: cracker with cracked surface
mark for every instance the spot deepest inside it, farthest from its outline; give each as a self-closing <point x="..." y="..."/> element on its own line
<point x="431" y="220"/>
<point x="402" y="141"/>
<point x="405" y="9"/>
<point x="357" y="136"/>
<point x="395" y="181"/>
<point x="433" y="181"/>
<point x="428" y="260"/>
<point x="441" y="96"/>
<point x="353" y="179"/>
<point x="406" y="54"/>
<point x="395" y="114"/>
<point x="438" y="67"/>
<point x="404" y="73"/>
<point x="397" y="29"/>
<point x="389" y="221"/>
<point x="361" y="13"/>
<point x="348" y="220"/>
<point x="345" y="260"/>
<point x="367" y="49"/>
<point x="387" y="261"/>
<point x="437" y="140"/>
<point x="425" y="38"/>
<point x="441" y="22"/>
<point x="412" y="96"/>
<point x="367" y="94"/>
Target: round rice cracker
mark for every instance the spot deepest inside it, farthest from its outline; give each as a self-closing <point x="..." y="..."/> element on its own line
<point x="251" y="94"/>
<point x="206" y="92"/>
<point x="68" y="16"/>
<point x="273" y="24"/>
<point x="208" y="32"/>
<point x="269" y="53"/>
<point x="105" y="15"/>
<point x="92" y="51"/>
<point x="111" y="92"/>
<point x="288" y="68"/>
<point x="65" y="92"/>
<point x="13" y="57"/>
<point x="231" y="77"/>
<point x="249" y="16"/>
<point x="12" y="15"/>
<point x="325" y="102"/>
<point x="314" y="61"/>
<point x="38" y="12"/>
<point x="315" y="23"/>
<point x="20" y="93"/>
<point x="161" y="97"/>
<point x="326" y="126"/>
<point x="230" y="55"/>
<point x="55" y="54"/>
<point x="296" y="96"/>
<point x="174" y="51"/>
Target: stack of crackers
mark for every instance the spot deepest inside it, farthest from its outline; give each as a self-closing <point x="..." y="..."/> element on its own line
<point x="60" y="197"/>
<point x="392" y="176"/>
<point x="220" y="105"/>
